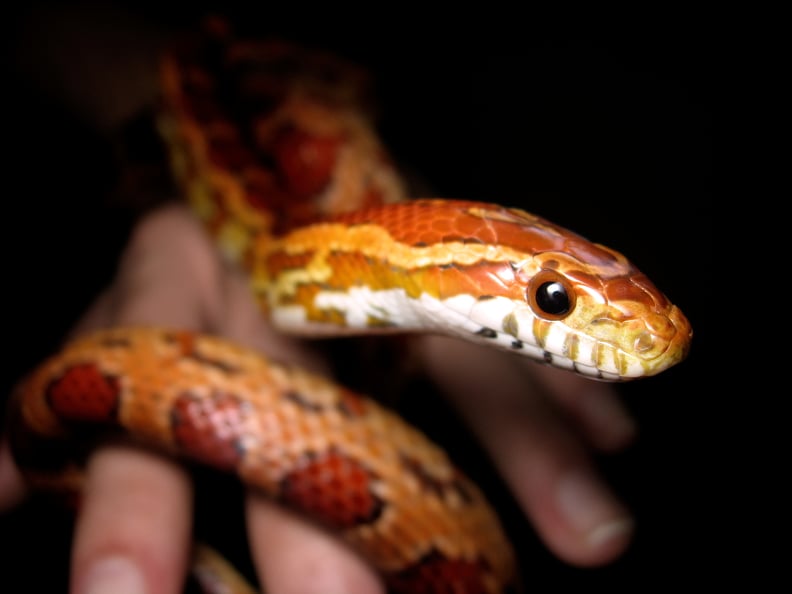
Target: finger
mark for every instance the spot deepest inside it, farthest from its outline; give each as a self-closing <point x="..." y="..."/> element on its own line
<point x="241" y="321"/>
<point x="133" y="529"/>
<point x="12" y="486"/>
<point x="169" y="274"/>
<point x="132" y="532"/>
<point x="594" y="407"/>
<point x="295" y="557"/>
<point x="291" y="555"/>
<point x="538" y="454"/>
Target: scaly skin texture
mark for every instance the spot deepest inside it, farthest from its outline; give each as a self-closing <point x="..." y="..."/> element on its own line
<point x="298" y="438"/>
<point x="286" y="172"/>
<point x="382" y="267"/>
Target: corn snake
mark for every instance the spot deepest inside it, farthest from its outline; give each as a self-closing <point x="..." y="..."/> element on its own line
<point x="288" y="272"/>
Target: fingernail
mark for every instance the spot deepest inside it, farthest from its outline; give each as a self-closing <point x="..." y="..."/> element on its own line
<point x="590" y="509"/>
<point x="114" y="575"/>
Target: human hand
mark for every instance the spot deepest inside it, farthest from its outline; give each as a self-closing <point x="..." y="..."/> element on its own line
<point x="539" y="425"/>
<point x="133" y="529"/>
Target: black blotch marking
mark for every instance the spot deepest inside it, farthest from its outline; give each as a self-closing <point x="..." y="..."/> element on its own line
<point x="517" y="344"/>
<point x="485" y="297"/>
<point x="487" y="333"/>
<point x="223" y="366"/>
<point x="456" y="239"/>
<point x="462" y="487"/>
<point x="547" y="356"/>
<point x="428" y="482"/>
<point x="302" y="401"/>
<point x="441" y="488"/>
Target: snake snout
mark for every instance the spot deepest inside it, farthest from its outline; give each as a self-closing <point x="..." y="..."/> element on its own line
<point x="679" y="343"/>
<point x="661" y="340"/>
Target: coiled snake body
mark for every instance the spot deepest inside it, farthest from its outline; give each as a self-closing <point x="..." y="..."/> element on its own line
<point x="297" y="189"/>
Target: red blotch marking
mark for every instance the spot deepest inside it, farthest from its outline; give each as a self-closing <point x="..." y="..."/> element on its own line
<point x="210" y="429"/>
<point x="306" y="161"/>
<point x="435" y="574"/>
<point x="333" y="489"/>
<point x="83" y="393"/>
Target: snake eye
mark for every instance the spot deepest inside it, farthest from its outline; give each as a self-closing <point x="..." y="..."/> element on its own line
<point x="550" y="295"/>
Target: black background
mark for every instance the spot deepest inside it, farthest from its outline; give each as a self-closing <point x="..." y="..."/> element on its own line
<point x="598" y="122"/>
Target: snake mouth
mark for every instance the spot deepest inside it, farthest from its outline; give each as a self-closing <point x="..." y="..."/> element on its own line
<point x="507" y="341"/>
<point x="604" y="350"/>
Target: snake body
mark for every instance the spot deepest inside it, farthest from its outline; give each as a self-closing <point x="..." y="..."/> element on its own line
<point x="300" y="192"/>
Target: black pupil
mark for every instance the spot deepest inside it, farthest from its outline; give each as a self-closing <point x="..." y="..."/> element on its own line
<point x="552" y="298"/>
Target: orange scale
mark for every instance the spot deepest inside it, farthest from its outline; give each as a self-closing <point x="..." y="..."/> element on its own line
<point x="433" y="520"/>
<point x="440" y="228"/>
<point x="405" y="534"/>
<point x="382" y="549"/>
<point x="469" y="226"/>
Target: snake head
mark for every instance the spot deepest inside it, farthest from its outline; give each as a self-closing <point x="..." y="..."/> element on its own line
<point x="552" y="295"/>
<point x="601" y="316"/>
<point x="484" y="272"/>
